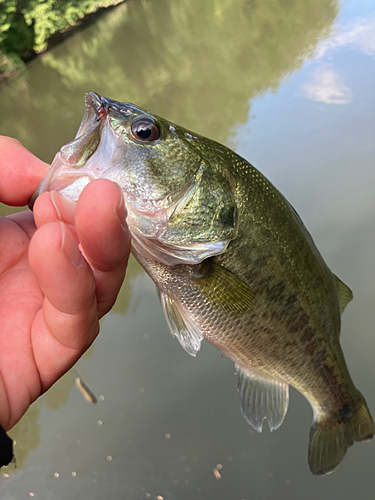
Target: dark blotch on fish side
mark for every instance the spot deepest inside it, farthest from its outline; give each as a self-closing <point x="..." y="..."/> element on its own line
<point x="345" y="414"/>
<point x="227" y="216"/>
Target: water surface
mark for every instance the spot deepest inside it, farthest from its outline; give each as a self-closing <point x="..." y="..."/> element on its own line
<point x="289" y="85"/>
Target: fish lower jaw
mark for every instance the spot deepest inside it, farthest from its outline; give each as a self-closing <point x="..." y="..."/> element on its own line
<point x="70" y="184"/>
<point x="68" y="180"/>
<point x="74" y="189"/>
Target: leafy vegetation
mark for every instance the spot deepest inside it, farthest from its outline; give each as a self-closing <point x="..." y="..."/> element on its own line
<point x="27" y="25"/>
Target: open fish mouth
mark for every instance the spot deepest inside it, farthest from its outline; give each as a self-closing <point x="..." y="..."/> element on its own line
<point x="98" y="151"/>
<point x="82" y="160"/>
<point x="69" y="171"/>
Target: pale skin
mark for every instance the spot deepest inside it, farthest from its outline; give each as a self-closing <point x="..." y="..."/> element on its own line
<point x="61" y="268"/>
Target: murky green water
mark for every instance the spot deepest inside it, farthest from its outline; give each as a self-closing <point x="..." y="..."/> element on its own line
<point x="289" y="85"/>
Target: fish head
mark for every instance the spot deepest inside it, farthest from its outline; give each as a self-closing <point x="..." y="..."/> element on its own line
<point x="180" y="209"/>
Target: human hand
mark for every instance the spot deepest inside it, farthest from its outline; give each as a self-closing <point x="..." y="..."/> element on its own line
<point x="61" y="269"/>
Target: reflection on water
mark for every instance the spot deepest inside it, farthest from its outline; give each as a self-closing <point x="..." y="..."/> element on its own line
<point x="26" y="433"/>
<point x="358" y="34"/>
<point x="199" y="64"/>
<point x="328" y="87"/>
<point x="133" y="273"/>
<point x="206" y="65"/>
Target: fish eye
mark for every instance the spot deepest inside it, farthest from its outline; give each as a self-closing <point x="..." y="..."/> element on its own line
<point x="145" y="130"/>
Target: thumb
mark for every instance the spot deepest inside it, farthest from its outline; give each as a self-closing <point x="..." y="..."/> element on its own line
<point x="21" y="172"/>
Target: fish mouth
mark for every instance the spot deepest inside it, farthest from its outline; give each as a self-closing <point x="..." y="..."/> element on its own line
<point x="94" y="100"/>
<point x="86" y="158"/>
<point x="71" y="168"/>
<point x="77" y="163"/>
<point x="102" y="106"/>
<point x="99" y="104"/>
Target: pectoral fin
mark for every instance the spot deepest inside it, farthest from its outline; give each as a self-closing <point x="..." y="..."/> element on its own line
<point x="224" y="290"/>
<point x="262" y="398"/>
<point x="344" y="293"/>
<point x="181" y="325"/>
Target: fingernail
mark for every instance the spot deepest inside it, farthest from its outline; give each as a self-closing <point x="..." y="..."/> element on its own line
<point x="70" y="248"/>
<point x="122" y="212"/>
<point x="64" y="207"/>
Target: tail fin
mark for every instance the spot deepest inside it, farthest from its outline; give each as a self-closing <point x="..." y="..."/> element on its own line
<point x="329" y="439"/>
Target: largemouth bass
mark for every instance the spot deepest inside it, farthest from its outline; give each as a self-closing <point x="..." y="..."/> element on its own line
<point x="233" y="263"/>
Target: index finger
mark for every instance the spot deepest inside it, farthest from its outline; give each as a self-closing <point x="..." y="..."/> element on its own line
<point x="21" y="172"/>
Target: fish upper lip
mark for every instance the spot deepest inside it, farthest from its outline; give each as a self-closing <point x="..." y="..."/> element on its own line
<point x="94" y="100"/>
<point x="100" y="103"/>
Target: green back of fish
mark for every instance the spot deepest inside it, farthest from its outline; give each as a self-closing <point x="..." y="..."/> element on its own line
<point x="273" y="252"/>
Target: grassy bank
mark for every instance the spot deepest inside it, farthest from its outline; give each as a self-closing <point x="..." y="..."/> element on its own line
<point x="27" y="26"/>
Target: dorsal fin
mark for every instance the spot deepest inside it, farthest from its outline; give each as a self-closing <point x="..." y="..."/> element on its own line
<point x="344" y="293"/>
<point x="181" y="325"/>
<point x="262" y="397"/>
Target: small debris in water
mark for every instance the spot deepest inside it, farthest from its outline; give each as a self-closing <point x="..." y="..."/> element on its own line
<point x="56" y="475"/>
<point x="109" y="458"/>
<point x="216" y="473"/>
<point x="31" y="495"/>
<point x="6" y="475"/>
<point x="99" y="423"/>
<point x="101" y="398"/>
<point x="219" y="466"/>
<point x="85" y="391"/>
<point x="159" y="497"/>
<point x="73" y="474"/>
<point x="167" y="436"/>
<point x="148" y="495"/>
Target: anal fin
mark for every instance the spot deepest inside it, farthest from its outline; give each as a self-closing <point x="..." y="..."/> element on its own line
<point x="181" y="325"/>
<point x="262" y="398"/>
